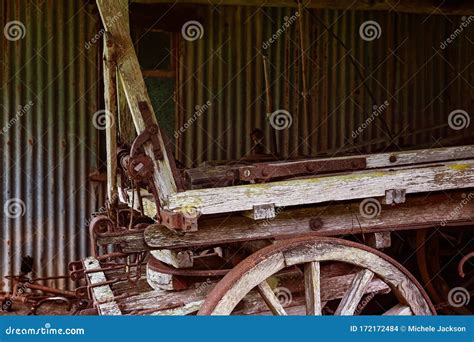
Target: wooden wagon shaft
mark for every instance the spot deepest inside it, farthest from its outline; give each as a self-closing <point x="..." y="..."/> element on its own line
<point x="217" y="176"/>
<point x="409" y="6"/>
<point x="102" y="294"/>
<point x="110" y="97"/>
<point x="324" y="220"/>
<point x="359" y="184"/>
<point x="115" y="18"/>
<point x="341" y="187"/>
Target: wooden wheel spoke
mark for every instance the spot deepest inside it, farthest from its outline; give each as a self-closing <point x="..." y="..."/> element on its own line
<point x="271" y="299"/>
<point x="312" y="285"/>
<point x="399" y="310"/>
<point x="354" y="294"/>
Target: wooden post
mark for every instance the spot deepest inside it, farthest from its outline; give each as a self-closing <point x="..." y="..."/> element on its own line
<point x="115" y="18"/>
<point x="110" y="97"/>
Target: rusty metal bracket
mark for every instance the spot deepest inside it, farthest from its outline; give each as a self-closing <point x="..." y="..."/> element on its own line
<point x="149" y="134"/>
<point x="187" y="222"/>
<point x="269" y="171"/>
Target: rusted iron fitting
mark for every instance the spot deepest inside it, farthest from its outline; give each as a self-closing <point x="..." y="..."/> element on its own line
<point x="462" y="263"/>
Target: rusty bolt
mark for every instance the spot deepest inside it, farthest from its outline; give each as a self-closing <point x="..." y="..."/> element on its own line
<point x="315" y="223"/>
<point x="393" y="159"/>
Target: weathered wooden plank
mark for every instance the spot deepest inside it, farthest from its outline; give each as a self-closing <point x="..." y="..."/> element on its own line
<point x="217" y="176"/>
<point x="103" y="295"/>
<point x="461" y="7"/>
<point x="177" y="259"/>
<point x="186" y="309"/>
<point x="333" y="220"/>
<point x="356" y="185"/>
<point x="379" y="240"/>
<point x="110" y="99"/>
<point x="261" y="212"/>
<point x="351" y="299"/>
<point x="399" y="310"/>
<point x="312" y="285"/>
<point x="115" y="16"/>
<point x="163" y="281"/>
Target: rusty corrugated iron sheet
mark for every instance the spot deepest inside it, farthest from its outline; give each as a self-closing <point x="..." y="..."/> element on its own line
<point x="48" y="141"/>
<point x="404" y="66"/>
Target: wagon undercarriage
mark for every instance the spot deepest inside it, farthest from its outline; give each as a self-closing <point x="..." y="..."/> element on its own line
<point x="264" y="235"/>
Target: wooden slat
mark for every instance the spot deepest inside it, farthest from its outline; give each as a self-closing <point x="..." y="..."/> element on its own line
<point x="115" y="16"/>
<point x="110" y="99"/>
<point x="418" y="212"/>
<point x="399" y="310"/>
<point x="462" y="7"/>
<point x="312" y="285"/>
<point x="102" y="294"/>
<point x="351" y="299"/>
<point x="271" y="299"/>
<point x="356" y="185"/>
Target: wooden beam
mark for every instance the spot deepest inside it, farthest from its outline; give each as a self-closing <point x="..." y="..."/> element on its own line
<point x="110" y="97"/>
<point x="103" y="295"/>
<point x="461" y="7"/>
<point x="115" y="18"/>
<point x="217" y="176"/>
<point x="334" y="220"/>
<point x="341" y="187"/>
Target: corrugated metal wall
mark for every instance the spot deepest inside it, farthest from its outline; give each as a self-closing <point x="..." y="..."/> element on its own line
<point x="405" y="66"/>
<point x="48" y="141"/>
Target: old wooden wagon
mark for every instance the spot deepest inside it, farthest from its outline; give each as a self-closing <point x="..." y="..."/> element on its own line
<point x="264" y="235"/>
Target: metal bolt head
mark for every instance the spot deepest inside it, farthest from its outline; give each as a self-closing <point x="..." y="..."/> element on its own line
<point x="315" y="223"/>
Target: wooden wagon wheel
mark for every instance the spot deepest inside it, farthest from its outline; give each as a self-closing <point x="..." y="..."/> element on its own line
<point x="311" y="252"/>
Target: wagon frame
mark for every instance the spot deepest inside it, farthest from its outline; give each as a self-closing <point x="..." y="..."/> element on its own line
<point x="276" y="200"/>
